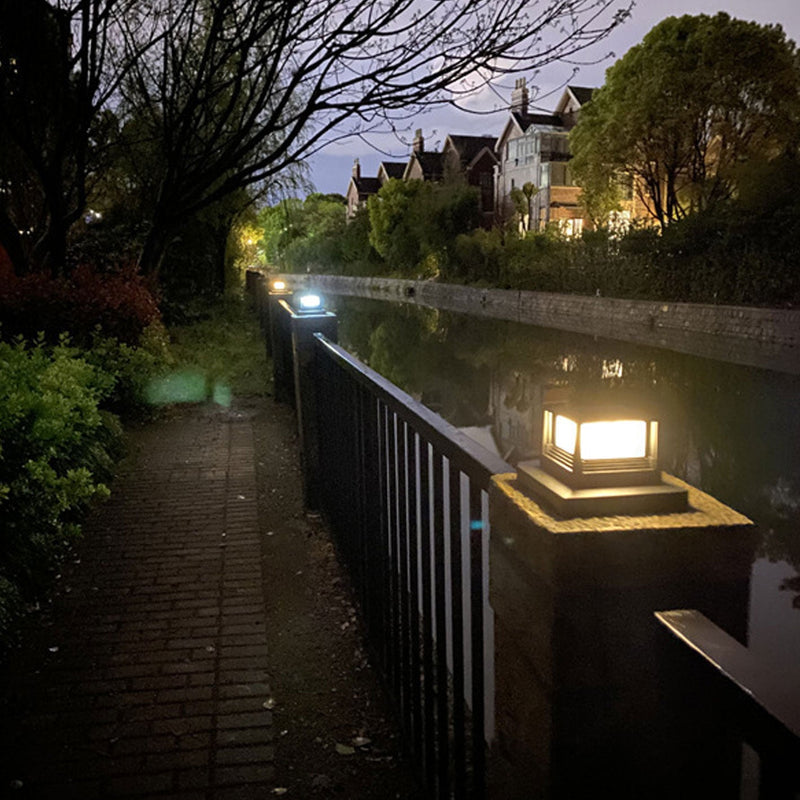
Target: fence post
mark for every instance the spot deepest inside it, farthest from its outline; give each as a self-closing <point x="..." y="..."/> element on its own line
<point x="280" y="337"/>
<point x="270" y="313"/>
<point x="307" y="399"/>
<point x="580" y="703"/>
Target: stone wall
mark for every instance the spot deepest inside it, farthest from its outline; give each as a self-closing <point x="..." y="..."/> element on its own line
<point x="761" y="337"/>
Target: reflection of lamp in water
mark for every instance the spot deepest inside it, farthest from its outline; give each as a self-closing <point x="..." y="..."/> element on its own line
<point x="599" y="462"/>
<point x="308" y="303"/>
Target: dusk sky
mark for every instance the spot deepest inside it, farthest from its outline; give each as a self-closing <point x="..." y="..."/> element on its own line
<point x="331" y="169"/>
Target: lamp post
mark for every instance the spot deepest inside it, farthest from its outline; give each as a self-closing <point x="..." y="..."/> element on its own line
<point x="281" y="367"/>
<point x="587" y="543"/>
<point x="308" y="317"/>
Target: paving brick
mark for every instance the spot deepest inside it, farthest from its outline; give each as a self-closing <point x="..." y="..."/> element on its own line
<point x="140" y="784"/>
<point x="256" y="754"/>
<point x="251" y="773"/>
<point x="158" y="685"/>
<point x="243" y="736"/>
<point x="245" y="719"/>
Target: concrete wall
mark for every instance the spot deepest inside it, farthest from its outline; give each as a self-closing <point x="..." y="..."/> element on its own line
<point x="761" y="337"/>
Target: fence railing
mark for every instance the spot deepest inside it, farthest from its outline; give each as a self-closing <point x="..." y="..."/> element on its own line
<point x="408" y="497"/>
<point x="405" y="494"/>
<point x="761" y="707"/>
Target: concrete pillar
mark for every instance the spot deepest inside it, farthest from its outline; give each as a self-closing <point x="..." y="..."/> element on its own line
<point x="583" y="699"/>
<point x="308" y="404"/>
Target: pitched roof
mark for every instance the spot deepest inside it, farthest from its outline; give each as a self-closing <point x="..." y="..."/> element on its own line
<point x="431" y="164"/>
<point x="367" y="186"/>
<point x="526" y="120"/>
<point x="393" y="169"/>
<point x="583" y="94"/>
<point x="468" y="147"/>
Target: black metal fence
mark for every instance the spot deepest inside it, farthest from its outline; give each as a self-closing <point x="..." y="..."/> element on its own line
<point x="722" y="681"/>
<point x="406" y="497"/>
<point x="405" y="494"/>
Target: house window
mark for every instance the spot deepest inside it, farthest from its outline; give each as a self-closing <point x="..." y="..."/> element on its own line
<point x="558" y="173"/>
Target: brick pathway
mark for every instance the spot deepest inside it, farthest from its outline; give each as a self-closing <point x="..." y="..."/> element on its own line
<point x="148" y="676"/>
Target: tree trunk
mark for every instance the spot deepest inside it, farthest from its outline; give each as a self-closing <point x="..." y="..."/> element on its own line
<point x="155" y="245"/>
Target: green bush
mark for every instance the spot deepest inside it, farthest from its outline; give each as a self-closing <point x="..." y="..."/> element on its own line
<point x="131" y="369"/>
<point x="57" y="447"/>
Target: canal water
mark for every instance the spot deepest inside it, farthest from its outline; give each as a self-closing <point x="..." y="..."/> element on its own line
<point x="732" y="431"/>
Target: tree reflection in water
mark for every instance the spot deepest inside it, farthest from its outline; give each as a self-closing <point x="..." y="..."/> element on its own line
<point x="733" y="431"/>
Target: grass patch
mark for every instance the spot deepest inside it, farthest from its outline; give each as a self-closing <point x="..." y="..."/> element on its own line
<point x="220" y="355"/>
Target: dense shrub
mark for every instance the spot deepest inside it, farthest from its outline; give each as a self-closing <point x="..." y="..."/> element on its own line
<point x="130" y="368"/>
<point x="118" y="303"/>
<point x="57" y="448"/>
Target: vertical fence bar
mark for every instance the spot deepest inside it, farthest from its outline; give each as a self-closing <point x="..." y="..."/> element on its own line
<point x="414" y="604"/>
<point x="403" y="573"/>
<point x="394" y="555"/>
<point x="363" y="496"/>
<point x="457" y="616"/>
<point x="383" y="542"/>
<point x="426" y="537"/>
<point x="442" y="700"/>
<point x="372" y="497"/>
<point x="476" y="560"/>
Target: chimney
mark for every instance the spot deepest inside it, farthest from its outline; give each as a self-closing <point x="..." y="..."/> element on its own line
<point x="356" y="169"/>
<point x="519" y="97"/>
<point x="419" y="142"/>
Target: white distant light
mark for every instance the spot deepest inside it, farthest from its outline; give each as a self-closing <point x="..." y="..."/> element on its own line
<point x="310" y="302"/>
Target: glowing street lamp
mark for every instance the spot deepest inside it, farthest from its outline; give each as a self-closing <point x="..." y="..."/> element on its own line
<point x="599" y="463"/>
<point x="308" y="303"/>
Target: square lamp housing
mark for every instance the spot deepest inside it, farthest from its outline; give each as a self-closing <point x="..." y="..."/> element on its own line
<point x="308" y="303"/>
<point x="599" y="463"/>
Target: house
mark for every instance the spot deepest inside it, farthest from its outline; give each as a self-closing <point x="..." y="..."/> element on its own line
<point x="390" y="169"/>
<point x="474" y="159"/>
<point x="359" y="190"/>
<point x="422" y="164"/>
<point x="533" y="156"/>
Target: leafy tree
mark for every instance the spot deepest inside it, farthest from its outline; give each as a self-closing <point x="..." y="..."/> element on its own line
<point x="394" y="223"/>
<point x="680" y="112"/>
<point x="236" y="93"/>
<point x="414" y="224"/>
<point x="522" y="198"/>
<point x="60" y="68"/>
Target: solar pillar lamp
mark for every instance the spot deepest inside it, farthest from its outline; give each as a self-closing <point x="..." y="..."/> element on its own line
<point x="599" y="462"/>
<point x="307" y="302"/>
<point x="278" y="287"/>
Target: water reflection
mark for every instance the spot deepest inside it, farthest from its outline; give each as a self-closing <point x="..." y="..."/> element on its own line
<point x="732" y="431"/>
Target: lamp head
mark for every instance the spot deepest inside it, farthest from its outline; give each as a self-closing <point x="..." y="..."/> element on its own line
<point x="308" y="303"/>
<point x="599" y="462"/>
<point x="590" y="447"/>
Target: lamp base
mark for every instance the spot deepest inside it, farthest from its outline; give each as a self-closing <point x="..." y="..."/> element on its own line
<point x="607" y="501"/>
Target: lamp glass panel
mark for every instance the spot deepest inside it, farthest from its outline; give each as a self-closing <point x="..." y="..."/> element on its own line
<point x="309" y="301"/>
<point x="565" y="433"/>
<point x="278" y="286"/>
<point x="614" y="439"/>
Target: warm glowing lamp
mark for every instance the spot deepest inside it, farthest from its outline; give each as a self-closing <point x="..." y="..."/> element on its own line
<point x="278" y="286"/>
<point x="308" y="303"/>
<point x="599" y="462"/>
